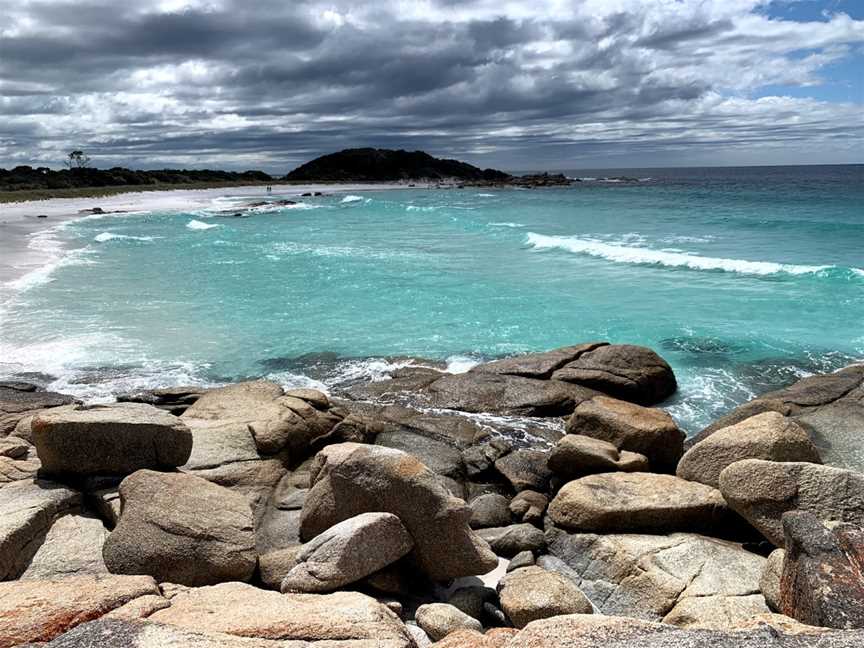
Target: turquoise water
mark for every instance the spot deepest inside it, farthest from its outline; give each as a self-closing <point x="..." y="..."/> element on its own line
<point x="742" y="279"/>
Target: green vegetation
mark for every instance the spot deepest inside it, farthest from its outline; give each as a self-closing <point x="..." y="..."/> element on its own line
<point x="79" y="180"/>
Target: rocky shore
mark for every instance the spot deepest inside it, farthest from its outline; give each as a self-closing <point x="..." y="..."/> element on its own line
<point x="391" y="515"/>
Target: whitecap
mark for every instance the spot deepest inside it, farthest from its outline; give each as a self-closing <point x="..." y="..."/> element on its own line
<point x="109" y="236"/>
<point x="646" y="256"/>
<point x="415" y="208"/>
<point x="485" y="195"/>
<point x="506" y="224"/>
<point x="198" y="225"/>
<point x="352" y="199"/>
<point x="460" y="363"/>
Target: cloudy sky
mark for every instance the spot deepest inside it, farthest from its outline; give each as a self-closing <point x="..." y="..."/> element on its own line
<point x="524" y="84"/>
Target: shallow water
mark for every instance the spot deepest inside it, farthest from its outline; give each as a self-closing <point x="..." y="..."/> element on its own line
<point x="743" y="279"/>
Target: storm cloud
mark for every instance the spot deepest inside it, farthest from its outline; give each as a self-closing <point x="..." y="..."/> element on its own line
<point x="567" y="84"/>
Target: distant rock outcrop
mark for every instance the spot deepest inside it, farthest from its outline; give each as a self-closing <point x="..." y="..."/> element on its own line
<point x="387" y="165"/>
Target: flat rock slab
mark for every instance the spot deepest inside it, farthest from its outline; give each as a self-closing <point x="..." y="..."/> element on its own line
<point x="181" y="529"/>
<point x="632" y="373"/>
<point x="123" y="633"/>
<point x="115" y="439"/>
<point x="246" y="611"/>
<point x="40" y="610"/>
<point x="27" y="510"/>
<point x="503" y="394"/>
<point x="761" y="491"/>
<point x="72" y="547"/>
<point x="638" y="502"/>
<point x="647" y="576"/>
<point x="591" y="631"/>
<point x="537" y="365"/>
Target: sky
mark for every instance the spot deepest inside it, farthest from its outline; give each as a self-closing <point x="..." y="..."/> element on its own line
<point x="524" y="84"/>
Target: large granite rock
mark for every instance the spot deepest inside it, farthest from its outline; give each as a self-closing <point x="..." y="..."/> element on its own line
<point x="23" y="467"/>
<point x="72" y="547"/>
<point x="769" y="436"/>
<point x="347" y="552"/>
<point x="632" y="373"/>
<point x="181" y="529"/>
<point x="503" y="394"/>
<point x="20" y="400"/>
<point x="592" y="631"/>
<point x="652" y="577"/>
<point x="115" y="439"/>
<point x="440" y="619"/>
<point x="38" y="610"/>
<point x="277" y="421"/>
<point x="822" y="582"/>
<point x="634" y="502"/>
<point x="577" y="455"/>
<point x="525" y="469"/>
<point x="510" y="540"/>
<point x="172" y="399"/>
<point x="771" y="576"/>
<point x="342" y="619"/>
<point x="761" y="491"/>
<point x="537" y="365"/>
<point x="489" y="510"/>
<point x="830" y="407"/>
<point x="350" y="479"/>
<point x="27" y="511"/>
<point x="643" y="430"/>
<point x="110" y="632"/>
<point x="533" y="593"/>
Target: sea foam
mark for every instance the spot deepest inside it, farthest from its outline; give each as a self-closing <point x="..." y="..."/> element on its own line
<point x="647" y="256"/>
<point x="352" y="199"/>
<point x="198" y="225"/>
<point x="109" y="236"/>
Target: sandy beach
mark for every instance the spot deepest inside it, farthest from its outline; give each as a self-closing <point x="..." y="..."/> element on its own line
<point x="23" y="251"/>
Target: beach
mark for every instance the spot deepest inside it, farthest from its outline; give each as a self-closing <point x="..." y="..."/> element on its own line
<point x="19" y="221"/>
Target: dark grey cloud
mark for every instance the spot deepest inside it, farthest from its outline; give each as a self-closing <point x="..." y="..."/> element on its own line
<point x="234" y="83"/>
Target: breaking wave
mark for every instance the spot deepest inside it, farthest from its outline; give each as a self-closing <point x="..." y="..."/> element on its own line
<point x="647" y="256"/>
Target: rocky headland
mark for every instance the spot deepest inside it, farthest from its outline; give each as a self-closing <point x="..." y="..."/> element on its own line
<point x="388" y="165"/>
<point x="412" y="512"/>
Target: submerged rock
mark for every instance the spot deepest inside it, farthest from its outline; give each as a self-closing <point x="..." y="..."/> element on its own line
<point x="181" y="529"/>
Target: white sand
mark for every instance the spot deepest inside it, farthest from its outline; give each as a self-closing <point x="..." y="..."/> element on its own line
<point x="23" y="251"/>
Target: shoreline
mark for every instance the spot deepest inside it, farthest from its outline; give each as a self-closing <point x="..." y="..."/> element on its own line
<point x="20" y="222"/>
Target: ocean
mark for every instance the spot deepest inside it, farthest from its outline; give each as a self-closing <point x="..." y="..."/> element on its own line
<point x="744" y="279"/>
